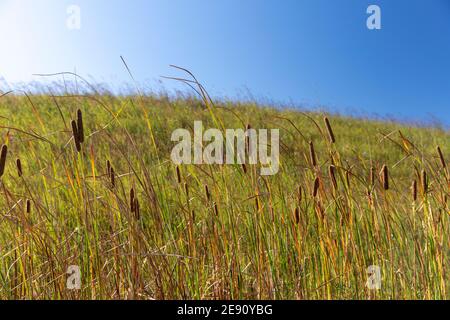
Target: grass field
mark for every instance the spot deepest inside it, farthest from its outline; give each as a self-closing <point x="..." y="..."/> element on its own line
<point x="140" y="227"/>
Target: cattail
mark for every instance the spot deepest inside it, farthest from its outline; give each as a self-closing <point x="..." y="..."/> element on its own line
<point x="137" y="209"/>
<point x="208" y="195"/>
<point x="385" y="173"/>
<point x="28" y="206"/>
<point x="247" y="138"/>
<point x="244" y="168"/>
<point x="312" y="154"/>
<point x="414" y="190"/>
<point x="216" y="210"/>
<point x="347" y="178"/>
<point x="19" y="167"/>
<point x="330" y="130"/>
<point x="316" y="186"/>
<point x="112" y="177"/>
<point x="257" y="204"/>
<point x="186" y="189"/>
<point x="332" y="174"/>
<point x="320" y="211"/>
<point x="178" y="174"/>
<point x="424" y="182"/>
<point x="80" y="127"/>
<point x="441" y="157"/>
<point x="76" y="137"/>
<point x="108" y="168"/>
<point x="300" y="194"/>
<point x="297" y="215"/>
<point x="3" y="159"/>
<point x="132" y="200"/>
<point x="372" y="176"/>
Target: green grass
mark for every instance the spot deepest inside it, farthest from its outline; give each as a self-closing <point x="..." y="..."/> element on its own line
<point x="244" y="241"/>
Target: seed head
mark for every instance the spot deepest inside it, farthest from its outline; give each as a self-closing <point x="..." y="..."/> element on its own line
<point x="3" y="155"/>
<point x="316" y="186"/>
<point x="312" y="154"/>
<point x="424" y="182"/>
<point x="76" y="136"/>
<point x="297" y="215"/>
<point x="80" y="126"/>
<point x="28" y="206"/>
<point x="332" y="174"/>
<point x="330" y="130"/>
<point x="19" y="167"/>
<point x="414" y="190"/>
<point x="385" y="174"/>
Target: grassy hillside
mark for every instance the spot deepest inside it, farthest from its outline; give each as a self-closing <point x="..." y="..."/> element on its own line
<point x="217" y="231"/>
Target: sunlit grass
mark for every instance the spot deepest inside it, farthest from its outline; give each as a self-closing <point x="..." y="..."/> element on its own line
<point x="211" y="231"/>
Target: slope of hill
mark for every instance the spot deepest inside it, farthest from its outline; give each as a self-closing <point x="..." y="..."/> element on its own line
<point x="138" y="226"/>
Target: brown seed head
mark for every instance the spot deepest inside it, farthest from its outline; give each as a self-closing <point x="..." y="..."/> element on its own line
<point x="19" y="167"/>
<point x="372" y="176"/>
<point x="178" y="174"/>
<point x="297" y="215"/>
<point x="112" y="177"/>
<point x="80" y="127"/>
<point x="300" y="194"/>
<point x="76" y="137"/>
<point x="414" y="190"/>
<point x="216" y="209"/>
<point x="3" y="155"/>
<point x="186" y="189"/>
<point x="28" y="206"/>
<point x="137" y="209"/>
<point x="332" y="174"/>
<point x="132" y="200"/>
<point x="108" y="168"/>
<point x="424" y="182"/>
<point x="208" y="195"/>
<point x="330" y="130"/>
<point x="312" y="154"/>
<point x="316" y="186"/>
<point x="385" y="175"/>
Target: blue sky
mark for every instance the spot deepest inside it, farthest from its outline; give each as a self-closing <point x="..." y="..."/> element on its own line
<point x="308" y="52"/>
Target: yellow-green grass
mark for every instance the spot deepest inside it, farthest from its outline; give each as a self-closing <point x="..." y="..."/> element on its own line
<point x="248" y="237"/>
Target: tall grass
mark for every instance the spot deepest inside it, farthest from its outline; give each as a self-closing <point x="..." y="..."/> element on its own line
<point x="95" y="187"/>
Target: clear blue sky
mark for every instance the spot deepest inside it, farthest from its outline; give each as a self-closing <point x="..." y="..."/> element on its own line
<point x="312" y="52"/>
